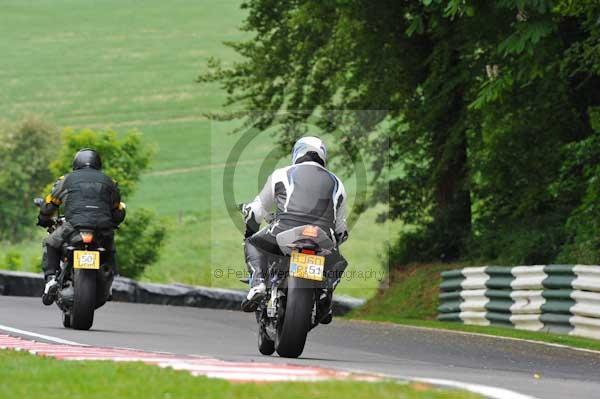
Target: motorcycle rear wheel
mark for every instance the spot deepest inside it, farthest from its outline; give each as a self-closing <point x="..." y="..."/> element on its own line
<point x="291" y="334"/>
<point x="84" y="301"/>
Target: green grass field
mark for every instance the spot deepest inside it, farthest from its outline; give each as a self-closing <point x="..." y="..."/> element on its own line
<point x="26" y="376"/>
<point x="126" y="65"/>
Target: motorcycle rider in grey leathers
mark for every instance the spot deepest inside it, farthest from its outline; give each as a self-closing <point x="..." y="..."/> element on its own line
<point x="301" y="194"/>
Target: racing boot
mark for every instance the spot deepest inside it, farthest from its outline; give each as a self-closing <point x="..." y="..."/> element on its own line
<point x="256" y="294"/>
<point x="50" y="290"/>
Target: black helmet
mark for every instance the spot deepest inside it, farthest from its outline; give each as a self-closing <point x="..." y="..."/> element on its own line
<point x="87" y="158"/>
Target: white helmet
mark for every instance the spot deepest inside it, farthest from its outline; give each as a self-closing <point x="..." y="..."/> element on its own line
<point x="309" y="144"/>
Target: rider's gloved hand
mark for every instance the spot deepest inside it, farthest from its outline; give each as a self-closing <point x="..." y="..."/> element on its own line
<point x="251" y="226"/>
<point x="341" y="238"/>
<point x="119" y="213"/>
<point x="245" y="210"/>
<point x="44" y="221"/>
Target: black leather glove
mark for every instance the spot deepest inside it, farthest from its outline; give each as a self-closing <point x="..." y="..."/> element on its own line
<point x="341" y="238"/>
<point x="118" y="214"/>
<point x="251" y="226"/>
<point x="44" y="221"/>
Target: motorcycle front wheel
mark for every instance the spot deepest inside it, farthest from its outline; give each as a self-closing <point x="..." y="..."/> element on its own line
<point x="66" y="320"/>
<point x="265" y="345"/>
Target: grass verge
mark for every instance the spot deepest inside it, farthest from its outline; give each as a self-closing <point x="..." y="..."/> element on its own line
<point x="27" y="376"/>
<point x="412" y="298"/>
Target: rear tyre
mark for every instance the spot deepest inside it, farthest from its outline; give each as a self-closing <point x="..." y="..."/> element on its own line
<point x="291" y="334"/>
<point x="265" y="345"/>
<point x="84" y="301"/>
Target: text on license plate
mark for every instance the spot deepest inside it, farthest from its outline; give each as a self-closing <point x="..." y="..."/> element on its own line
<point x="86" y="260"/>
<point x="307" y="266"/>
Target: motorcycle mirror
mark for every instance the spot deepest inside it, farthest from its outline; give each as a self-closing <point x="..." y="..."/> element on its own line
<point x="38" y="202"/>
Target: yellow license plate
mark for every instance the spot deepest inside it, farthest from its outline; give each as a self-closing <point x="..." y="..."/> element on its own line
<point x="86" y="260"/>
<point x="307" y="266"/>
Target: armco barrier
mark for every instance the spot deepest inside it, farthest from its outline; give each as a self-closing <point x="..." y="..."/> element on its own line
<point x="556" y="298"/>
<point x="127" y="290"/>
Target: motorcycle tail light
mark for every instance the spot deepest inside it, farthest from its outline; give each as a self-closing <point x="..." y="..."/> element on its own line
<point x="310" y="231"/>
<point x="87" y="237"/>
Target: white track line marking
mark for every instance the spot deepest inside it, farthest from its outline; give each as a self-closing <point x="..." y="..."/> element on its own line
<point x="487" y="391"/>
<point x="41" y="336"/>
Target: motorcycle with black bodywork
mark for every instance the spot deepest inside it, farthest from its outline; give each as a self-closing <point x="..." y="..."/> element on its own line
<point x="84" y="279"/>
<point x="295" y="280"/>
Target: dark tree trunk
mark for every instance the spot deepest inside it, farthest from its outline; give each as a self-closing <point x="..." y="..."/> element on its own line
<point x="452" y="213"/>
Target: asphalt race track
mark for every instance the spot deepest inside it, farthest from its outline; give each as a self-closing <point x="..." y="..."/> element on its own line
<point x="537" y="370"/>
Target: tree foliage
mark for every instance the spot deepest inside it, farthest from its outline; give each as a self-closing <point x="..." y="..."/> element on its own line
<point x="139" y="242"/>
<point x="123" y="158"/>
<point x="487" y="106"/>
<point x="26" y="149"/>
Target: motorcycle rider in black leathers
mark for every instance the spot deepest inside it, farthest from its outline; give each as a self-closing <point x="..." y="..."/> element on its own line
<point x="303" y="193"/>
<point x="91" y="200"/>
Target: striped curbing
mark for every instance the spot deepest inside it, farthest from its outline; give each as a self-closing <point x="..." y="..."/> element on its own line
<point x="554" y="298"/>
<point x="232" y="371"/>
<point x="196" y="365"/>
